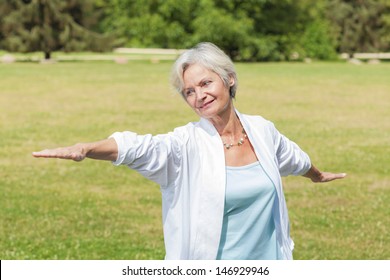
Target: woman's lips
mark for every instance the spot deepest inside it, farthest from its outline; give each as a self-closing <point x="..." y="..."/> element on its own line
<point x="206" y="104"/>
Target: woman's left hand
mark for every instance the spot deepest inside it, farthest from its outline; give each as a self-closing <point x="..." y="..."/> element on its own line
<point x="328" y="176"/>
<point x="321" y="177"/>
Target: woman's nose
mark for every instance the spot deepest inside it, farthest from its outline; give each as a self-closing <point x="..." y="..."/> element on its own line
<point x="200" y="94"/>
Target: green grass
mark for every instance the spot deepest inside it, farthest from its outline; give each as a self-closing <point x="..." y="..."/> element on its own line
<point x="53" y="209"/>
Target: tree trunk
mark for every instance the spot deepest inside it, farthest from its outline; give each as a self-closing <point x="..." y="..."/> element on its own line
<point x="47" y="55"/>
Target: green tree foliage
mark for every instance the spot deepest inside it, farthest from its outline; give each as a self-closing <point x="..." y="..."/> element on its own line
<point x="150" y="23"/>
<point x="230" y="32"/>
<point x="318" y="42"/>
<point x="49" y="25"/>
<point x="248" y="30"/>
<point x="362" y="26"/>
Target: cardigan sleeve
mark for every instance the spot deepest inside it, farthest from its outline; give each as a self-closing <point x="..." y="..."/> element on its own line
<point x="291" y="159"/>
<point x="155" y="157"/>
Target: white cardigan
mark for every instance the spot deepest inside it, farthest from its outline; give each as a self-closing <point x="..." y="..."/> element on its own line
<point x="189" y="165"/>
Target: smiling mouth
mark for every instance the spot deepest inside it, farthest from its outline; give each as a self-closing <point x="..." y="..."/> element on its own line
<point x="206" y="104"/>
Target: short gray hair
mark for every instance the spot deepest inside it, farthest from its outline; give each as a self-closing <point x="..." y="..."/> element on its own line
<point x="209" y="56"/>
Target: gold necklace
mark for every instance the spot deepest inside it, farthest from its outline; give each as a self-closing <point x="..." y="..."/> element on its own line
<point x="239" y="143"/>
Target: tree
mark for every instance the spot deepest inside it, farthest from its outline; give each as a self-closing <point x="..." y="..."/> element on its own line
<point x="247" y="30"/>
<point x="230" y="32"/>
<point x="317" y="41"/>
<point x="49" y="25"/>
<point x="362" y="25"/>
<point x="250" y="30"/>
<point x="150" y="23"/>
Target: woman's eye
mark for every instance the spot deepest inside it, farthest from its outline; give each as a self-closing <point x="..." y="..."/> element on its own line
<point x="188" y="92"/>
<point x="206" y="83"/>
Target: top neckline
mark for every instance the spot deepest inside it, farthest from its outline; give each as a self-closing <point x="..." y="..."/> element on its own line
<point x="242" y="167"/>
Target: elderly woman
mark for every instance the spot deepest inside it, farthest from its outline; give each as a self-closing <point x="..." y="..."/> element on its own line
<point x="220" y="178"/>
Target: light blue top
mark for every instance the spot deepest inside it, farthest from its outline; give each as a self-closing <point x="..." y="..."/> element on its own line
<point x="248" y="230"/>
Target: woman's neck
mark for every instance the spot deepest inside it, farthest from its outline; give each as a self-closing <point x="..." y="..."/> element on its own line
<point x="227" y="124"/>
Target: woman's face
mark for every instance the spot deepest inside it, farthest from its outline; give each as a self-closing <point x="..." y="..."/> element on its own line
<point x="205" y="92"/>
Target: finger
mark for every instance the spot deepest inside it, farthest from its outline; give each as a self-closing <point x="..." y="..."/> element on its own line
<point x="44" y="153"/>
<point x="338" y="176"/>
<point x="341" y="175"/>
<point x="61" y="153"/>
<point x="55" y="153"/>
<point x="332" y="176"/>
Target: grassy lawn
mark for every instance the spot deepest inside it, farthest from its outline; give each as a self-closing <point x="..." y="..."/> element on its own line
<point x="53" y="209"/>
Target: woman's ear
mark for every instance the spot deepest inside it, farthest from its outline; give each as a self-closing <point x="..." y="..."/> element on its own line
<point x="231" y="81"/>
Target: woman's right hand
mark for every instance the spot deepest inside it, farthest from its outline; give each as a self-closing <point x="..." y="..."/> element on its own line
<point x="76" y="152"/>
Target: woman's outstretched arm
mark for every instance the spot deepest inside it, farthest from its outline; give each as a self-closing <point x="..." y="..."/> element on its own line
<point x="103" y="150"/>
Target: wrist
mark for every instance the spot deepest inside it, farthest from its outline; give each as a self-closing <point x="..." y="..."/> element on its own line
<point x="314" y="174"/>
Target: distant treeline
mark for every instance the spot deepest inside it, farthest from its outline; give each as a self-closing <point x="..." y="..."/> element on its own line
<point x="248" y="30"/>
